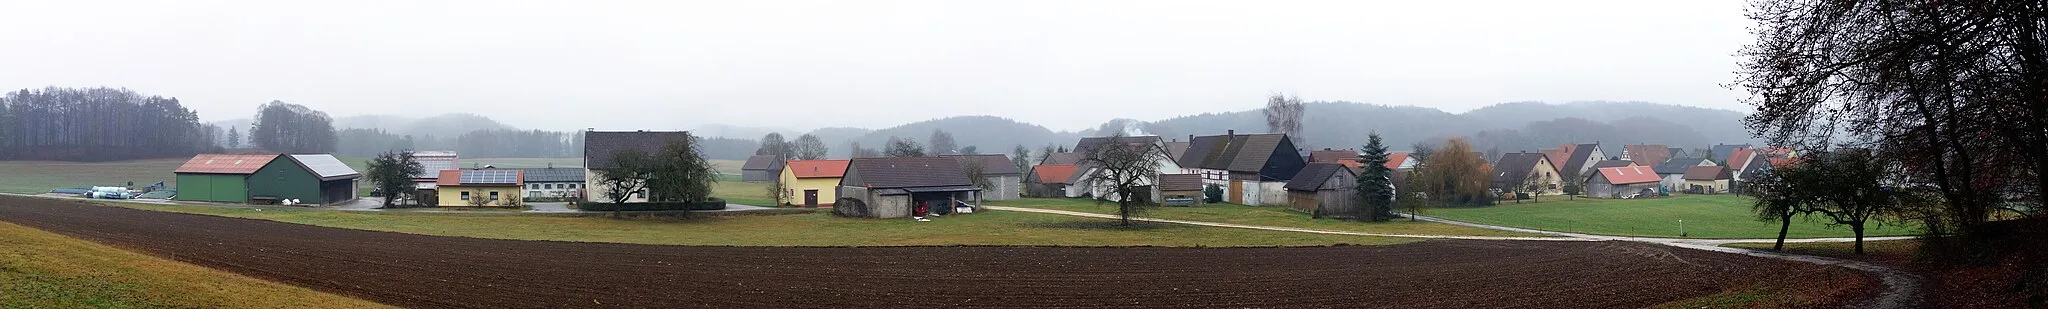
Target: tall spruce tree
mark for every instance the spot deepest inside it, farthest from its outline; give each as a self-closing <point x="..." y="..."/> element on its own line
<point x="1375" y="186"/>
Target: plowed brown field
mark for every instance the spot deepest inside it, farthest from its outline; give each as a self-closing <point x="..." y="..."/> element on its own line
<point x="430" y="271"/>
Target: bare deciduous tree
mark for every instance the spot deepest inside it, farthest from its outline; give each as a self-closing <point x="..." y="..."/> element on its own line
<point x="1283" y="115"/>
<point x="1125" y="170"/>
<point x="809" y="147"/>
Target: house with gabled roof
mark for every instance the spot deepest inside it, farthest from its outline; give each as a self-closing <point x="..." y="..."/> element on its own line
<point x="1720" y="152"/>
<point x="431" y="165"/>
<point x="1614" y="163"/>
<point x="218" y="177"/>
<point x="1004" y="180"/>
<point x="1513" y="171"/>
<point x="1647" y="155"/>
<point x="1757" y="166"/>
<point x="1622" y="182"/>
<point x="761" y="168"/>
<point x="1673" y="171"/>
<point x="894" y="187"/>
<point x="1253" y="169"/>
<point x="487" y="187"/>
<point x="1581" y="159"/>
<point x="1707" y="179"/>
<point x="1049" y="180"/>
<point x="1401" y="162"/>
<point x="1067" y="158"/>
<point x="1078" y="184"/>
<point x="1323" y="190"/>
<point x="1739" y="160"/>
<point x="552" y="182"/>
<point x="812" y="183"/>
<point x="599" y="148"/>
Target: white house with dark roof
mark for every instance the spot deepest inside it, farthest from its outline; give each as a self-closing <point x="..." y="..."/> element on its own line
<point x="598" y="150"/>
<point x="552" y="182"/>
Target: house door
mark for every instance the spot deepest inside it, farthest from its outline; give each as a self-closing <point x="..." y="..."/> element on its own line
<point x="810" y="198"/>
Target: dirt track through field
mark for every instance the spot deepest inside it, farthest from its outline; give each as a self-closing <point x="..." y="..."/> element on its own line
<point x="432" y="271"/>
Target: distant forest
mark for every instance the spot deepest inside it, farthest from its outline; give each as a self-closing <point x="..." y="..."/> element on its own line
<point x="98" y="124"/>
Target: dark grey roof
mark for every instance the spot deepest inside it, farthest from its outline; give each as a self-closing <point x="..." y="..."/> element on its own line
<point x="908" y="172"/>
<point x="991" y="164"/>
<point x="325" y="166"/>
<point x="1062" y="158"/>
<point x="1176" y="149"/>
<point x="1239" y="153"/>
<point x="1180" y="182"/>
<point x="762" y="163"/>
<point x="1202" y="150"/>
<point x="1255" y="150"/>
<point x="1612" y="163"/>
<point x="598" y="146"/>
<point x="489" y="177"/>
<point x="552" y="174"/>
<point x="1756" y="167"/>
<point x="1314" y="175"/>
<point x="1720" y="152"/>
<point x="1677" y="165"/>
<point x="1514" y="168"/>
<point x="1581" y="154"/>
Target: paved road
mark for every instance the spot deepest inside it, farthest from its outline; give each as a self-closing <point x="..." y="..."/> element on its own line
<point x="1900" y="286"/>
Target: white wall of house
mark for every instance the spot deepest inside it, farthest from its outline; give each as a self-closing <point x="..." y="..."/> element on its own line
<point x="551" y="189"/>
<point x="596" y="189"/>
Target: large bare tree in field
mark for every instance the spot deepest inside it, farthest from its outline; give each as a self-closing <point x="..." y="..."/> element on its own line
<point x="1956" y="91"/>
<point x="809" y="147"/>
<point x="1126" y="170"/>
<point x="1283" y="115"/>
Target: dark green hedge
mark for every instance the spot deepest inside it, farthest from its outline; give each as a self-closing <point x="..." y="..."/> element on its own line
<point x="714" y="204"/>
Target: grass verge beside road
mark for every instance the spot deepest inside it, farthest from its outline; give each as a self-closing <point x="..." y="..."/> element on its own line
<point x="31" y="177"/>
<point x="1706" y="216"/>
<point x="44" y="270"/>
<point x="1261" y="215"/>
<point x="811" y="229"/>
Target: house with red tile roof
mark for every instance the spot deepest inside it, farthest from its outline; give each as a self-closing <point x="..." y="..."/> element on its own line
<point x="811" y="183"/>
<point x="1048" y="180"/>
<point x="1622" y="182"/>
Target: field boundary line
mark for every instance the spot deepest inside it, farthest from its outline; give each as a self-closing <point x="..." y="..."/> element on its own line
<point x="1277" y="228"/>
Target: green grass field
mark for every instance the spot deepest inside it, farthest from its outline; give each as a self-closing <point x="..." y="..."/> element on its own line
<point x="28" y="177"/>
<point x="810" y="229"/>
<point x="43" y="270"/>
<point x="1258" y="215"/>
<point x="1706" y="216"/>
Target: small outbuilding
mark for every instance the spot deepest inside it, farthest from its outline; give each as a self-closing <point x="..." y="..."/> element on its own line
<point x="812" y="183"/>
<point x="1049" y="180"/>
<point x="1004" y="180"/>
<point x="1180" y="190"/>
<point x="1323" y="190"/>
<point x="1622" y="182"/>
<point x="894" y="187"/>
<point x="761" y="168"/>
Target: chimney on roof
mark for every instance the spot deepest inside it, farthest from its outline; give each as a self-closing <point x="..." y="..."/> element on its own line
<point x="1230" y="133"/>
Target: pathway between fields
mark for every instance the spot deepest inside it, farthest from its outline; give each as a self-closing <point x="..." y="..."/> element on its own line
<point x="1899" y="285"/>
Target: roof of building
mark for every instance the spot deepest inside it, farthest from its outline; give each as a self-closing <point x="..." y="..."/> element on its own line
<point x="1513" y="168"/>
<point x="325" y="166"/>
<point x="480" y="177"/>
<point x="1613" y="163"/>
<point x="1629" y="175"/>
<point x="1756" y="167"/>
<point x="1678" y="165"/>
<point x="1313" y="176"/>
<point x="437" y="153"/>
<point x="1647" y="154"/>
<point x="225" y="164"/>
<point x="1180" y="182"/>
<point x="1175" y="148"/>
<point x="1329" y="156"/>
<point x="1720" y="152"/>
<point x="1740" y="158"/>
<point x="430" y="167"/>
<point x="1783" y="162"/>
<point x="1706" y="173"/>
<point x="1582" y="154"/>
<point x="1255" y="150"/>
<point x="908" y="172"/>
<point x="1558" y="155"/>
<point x="762" y="163"/>
<point x="991" y="164"/>
<point x="1204" y="150"/>
<point x="550" y="174"/>
<point x="1066" y="158"/>
<point x="817" y="168"/>
<point x="1396" y="160"/>
<point x="1053" y="173"/>
<point x="599" y="146"/>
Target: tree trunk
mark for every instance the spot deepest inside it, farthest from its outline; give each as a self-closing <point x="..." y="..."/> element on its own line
<point x="1784" y="225"/>
<point x="1123" y="208"/>
<point x="1858" y="227"/>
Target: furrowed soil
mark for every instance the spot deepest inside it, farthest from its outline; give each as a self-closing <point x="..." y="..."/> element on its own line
<point x="432" y="271"/>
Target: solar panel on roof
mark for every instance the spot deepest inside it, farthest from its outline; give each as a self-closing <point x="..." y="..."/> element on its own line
<point x="325" y="165"/>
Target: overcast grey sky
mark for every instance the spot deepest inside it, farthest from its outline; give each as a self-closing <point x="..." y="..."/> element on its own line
<point x="679" y="64"/>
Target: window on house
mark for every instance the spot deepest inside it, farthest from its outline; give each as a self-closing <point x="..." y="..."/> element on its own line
<point x="465" y="195"/>
<point x="494" y="195"/>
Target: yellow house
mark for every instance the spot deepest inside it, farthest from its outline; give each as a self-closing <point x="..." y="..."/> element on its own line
<point x="482" y="187"/>
<point x="1707" y="179"/>
<point x="811" y="183"/>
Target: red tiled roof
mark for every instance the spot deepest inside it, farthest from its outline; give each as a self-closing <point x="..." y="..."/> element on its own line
<point x="1630" y="175"/>
<point x="1783" y="162"/>
<point x="817" y="168"/>
<point x="226" y="163"/>
<point x="449" y="178"/>
<point x="1053" y="173"/>
<point x="1394" y="161"/>
<point x="1739" y="158"/>
<point x="1332" y="156"/>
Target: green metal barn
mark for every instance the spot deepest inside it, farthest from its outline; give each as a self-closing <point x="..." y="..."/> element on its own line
<point x="317" y="179"/>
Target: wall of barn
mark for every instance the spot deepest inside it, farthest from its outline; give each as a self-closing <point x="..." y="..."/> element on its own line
<point x="757" y="175"/>
<point x="1007" y="187"/>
